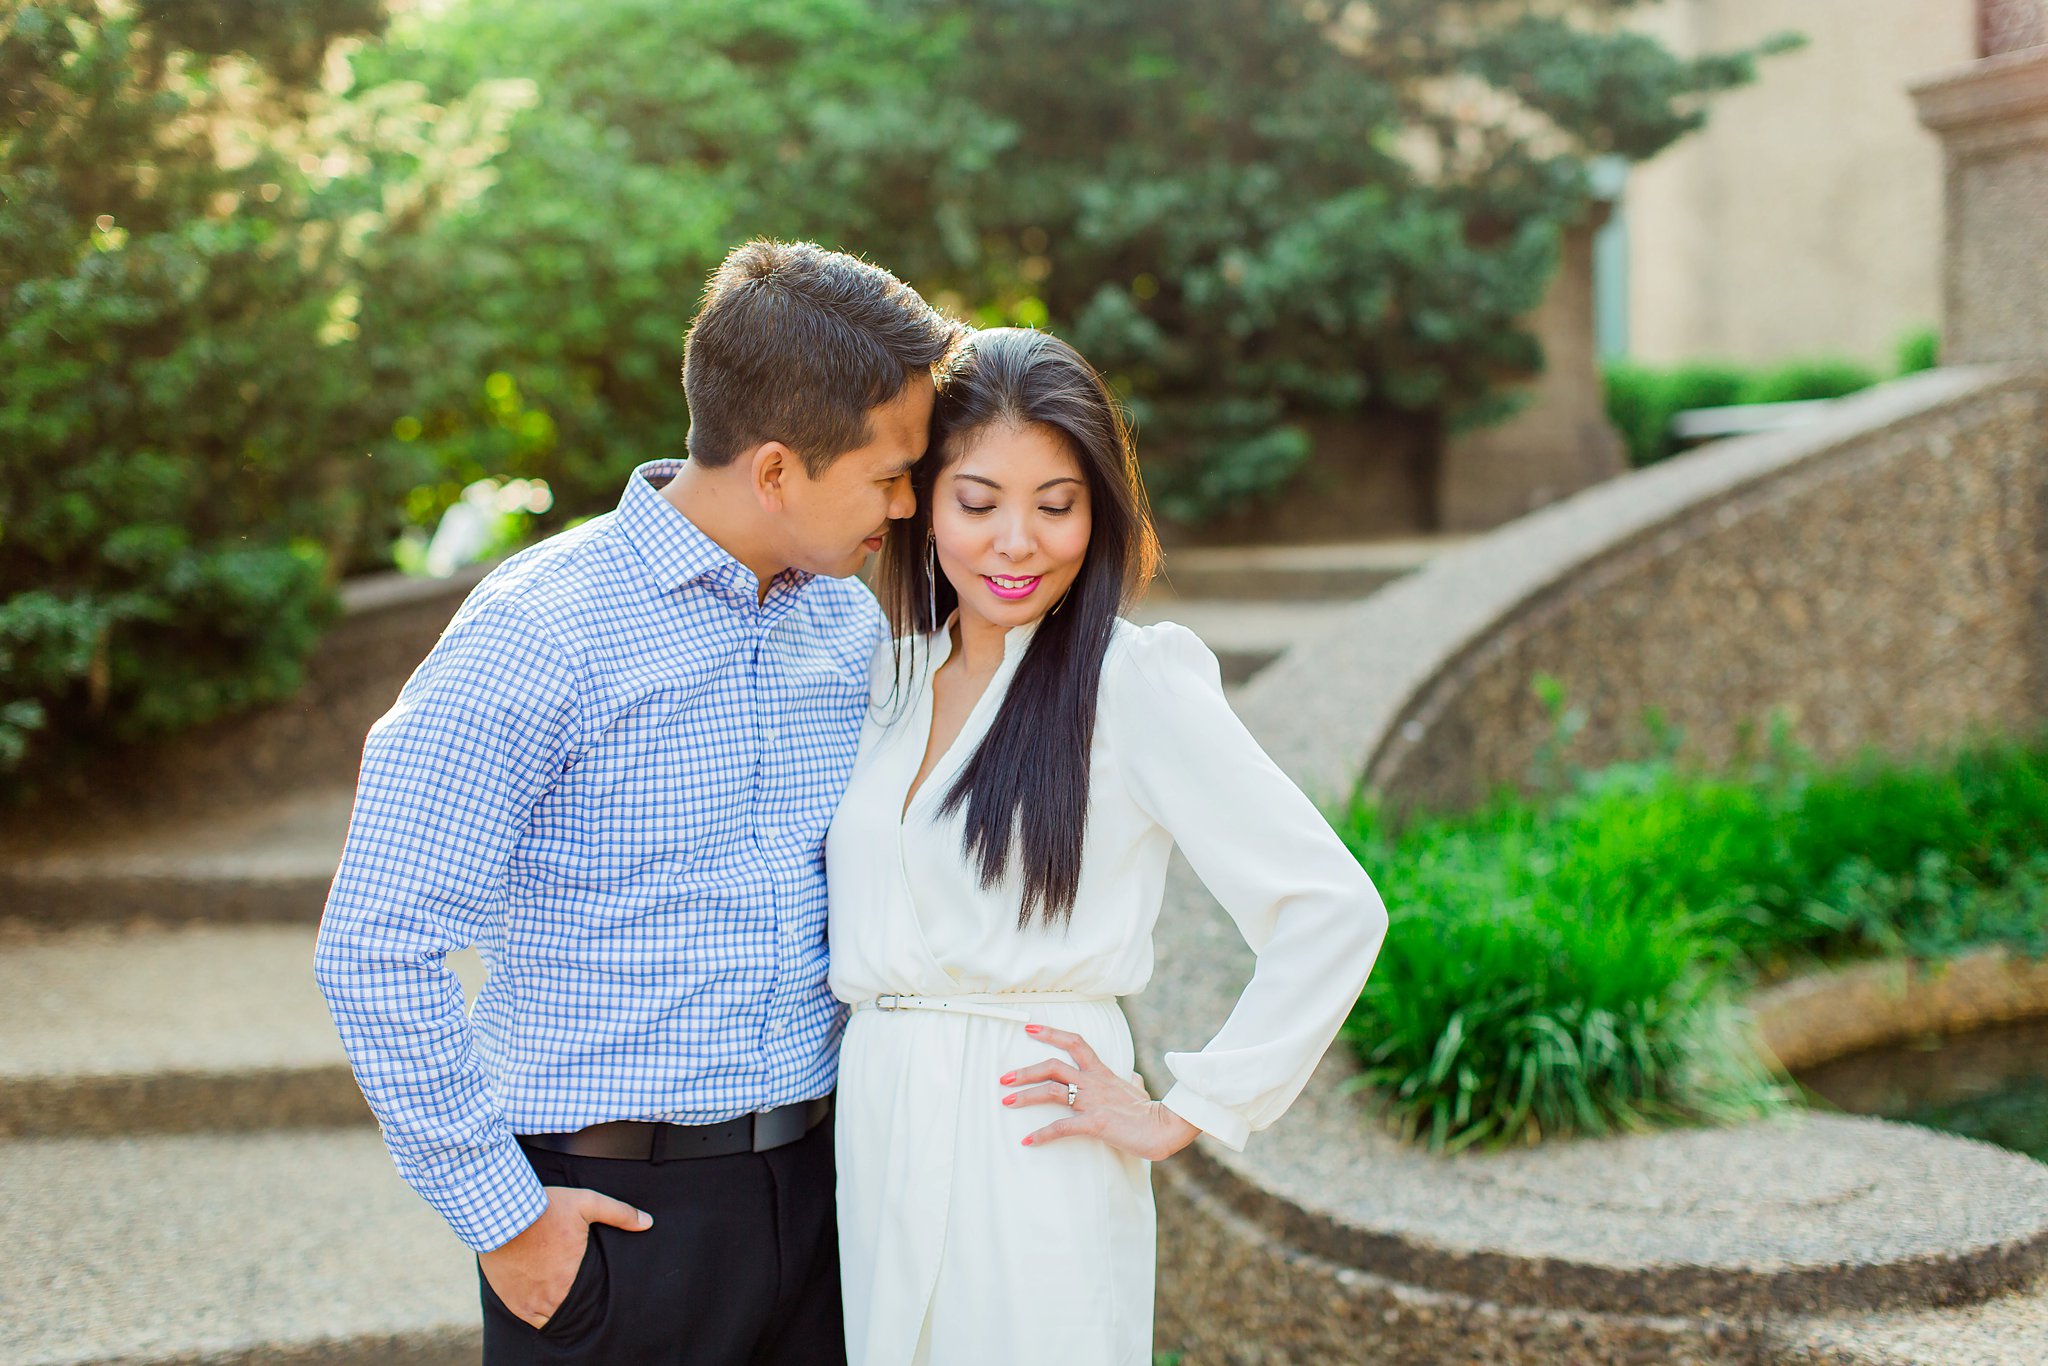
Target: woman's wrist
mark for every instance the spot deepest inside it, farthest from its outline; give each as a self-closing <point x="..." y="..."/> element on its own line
<point x="1176" y="1130"/>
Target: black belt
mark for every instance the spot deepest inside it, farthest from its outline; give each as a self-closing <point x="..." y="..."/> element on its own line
<point x="646" y="1141"/>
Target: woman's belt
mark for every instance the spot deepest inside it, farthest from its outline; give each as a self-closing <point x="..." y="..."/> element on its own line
<point x="996" y="1005"/>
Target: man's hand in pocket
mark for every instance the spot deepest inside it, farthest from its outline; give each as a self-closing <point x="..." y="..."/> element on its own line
<point x="532" y="1274"/>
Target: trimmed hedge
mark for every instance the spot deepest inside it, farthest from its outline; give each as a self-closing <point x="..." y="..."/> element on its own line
<point x="1642" y="400"/>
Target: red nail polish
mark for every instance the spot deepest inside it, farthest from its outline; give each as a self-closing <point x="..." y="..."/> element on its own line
<point x="1009" y="1100"/>
<point x="1008" y="1077"/>
<point x="1027" y="1142"/>
<point x="1032" y="1029"/>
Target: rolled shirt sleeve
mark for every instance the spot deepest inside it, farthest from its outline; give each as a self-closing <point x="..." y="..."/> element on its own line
<point x="450" y="777"/>
<point x="1296" y="894"/>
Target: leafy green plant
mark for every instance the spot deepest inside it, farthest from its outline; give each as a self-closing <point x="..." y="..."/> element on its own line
<point x="1800" y="380"/>
<point x="185" y="217"/>
<point x="1919" y="349"/>
<point x="1642" y="400"/>
<point x="1570" y="962"/>
<point x="278" y="281"/>
<point x="1248" y="214"/>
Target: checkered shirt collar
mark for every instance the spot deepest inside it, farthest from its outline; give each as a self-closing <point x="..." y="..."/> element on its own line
<point x="675" y="549"/>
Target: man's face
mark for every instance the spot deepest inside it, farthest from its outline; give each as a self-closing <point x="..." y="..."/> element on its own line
<point x="835" y="521"/>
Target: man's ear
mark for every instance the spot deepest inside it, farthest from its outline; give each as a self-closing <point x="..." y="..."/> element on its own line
<point x="773" y="467"/>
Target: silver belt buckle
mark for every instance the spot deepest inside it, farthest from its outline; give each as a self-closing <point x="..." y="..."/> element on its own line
<point x="888" y="1003"/>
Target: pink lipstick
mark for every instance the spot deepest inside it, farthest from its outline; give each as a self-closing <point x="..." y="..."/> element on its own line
<point x="1011" y="588"/>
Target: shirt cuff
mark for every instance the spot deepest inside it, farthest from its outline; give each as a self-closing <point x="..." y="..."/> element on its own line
<point x="1220" y="1122"/>
<point x="499" y="1199"/>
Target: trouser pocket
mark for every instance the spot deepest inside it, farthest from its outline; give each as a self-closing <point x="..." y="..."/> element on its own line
<point x="582" y="1309"/>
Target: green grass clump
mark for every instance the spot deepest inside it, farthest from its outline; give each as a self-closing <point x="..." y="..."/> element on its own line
<point x="1573" y="963"/>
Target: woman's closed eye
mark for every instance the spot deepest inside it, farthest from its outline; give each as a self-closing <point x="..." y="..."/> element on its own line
<point x="983" y="509"/>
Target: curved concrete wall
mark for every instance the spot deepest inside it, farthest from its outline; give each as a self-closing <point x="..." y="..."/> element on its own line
<point x="1879" y="574"/>
<point x="1882" y="572"/>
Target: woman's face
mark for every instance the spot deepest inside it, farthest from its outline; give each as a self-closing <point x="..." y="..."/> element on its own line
<point x="1010" y="519"/>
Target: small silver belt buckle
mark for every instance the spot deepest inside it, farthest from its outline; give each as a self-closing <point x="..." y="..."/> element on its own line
<point x="888" y="1003"/>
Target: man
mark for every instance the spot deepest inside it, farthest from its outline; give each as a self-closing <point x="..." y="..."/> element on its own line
<point x="614" y="774"/>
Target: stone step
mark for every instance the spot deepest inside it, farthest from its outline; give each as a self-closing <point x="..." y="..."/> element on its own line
<point x="1294" y="572"/>
<point x="272" y="861"/>
<point x="268" y="861"/>
<point x="191" y="1029"/>
<point x="226" y="1250"/>
<point x="2011" y="1330"/>
<point x="1246" y="636"/>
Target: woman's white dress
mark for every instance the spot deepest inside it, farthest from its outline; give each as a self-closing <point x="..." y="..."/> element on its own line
<point x="959" y="1246"/>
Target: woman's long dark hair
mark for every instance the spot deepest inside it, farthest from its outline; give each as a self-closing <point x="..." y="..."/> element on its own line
<point x="1025" y="789"/>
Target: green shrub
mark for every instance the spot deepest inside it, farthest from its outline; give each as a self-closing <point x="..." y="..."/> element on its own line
<point x="1566" y="963"/>
<point x="1642" y="400"/>
<point x="1919" y="349"/>
<point x="187" y="408"/>
<point x="1636" y="407"/>
<point x="271" y="297"/>
<point x="662" y="133"/>
<point x="1209" y="199"/>
<point x="1508" y="1007"/>
<point x="1811" y="379"/>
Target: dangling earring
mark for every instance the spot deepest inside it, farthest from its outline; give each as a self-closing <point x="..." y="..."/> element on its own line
<point x="931" y="582"/>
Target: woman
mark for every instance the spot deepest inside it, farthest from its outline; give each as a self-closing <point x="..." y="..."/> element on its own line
<point x="996" y="867"/>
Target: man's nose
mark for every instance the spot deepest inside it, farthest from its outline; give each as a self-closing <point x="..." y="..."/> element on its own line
<point x="903" y="502"/>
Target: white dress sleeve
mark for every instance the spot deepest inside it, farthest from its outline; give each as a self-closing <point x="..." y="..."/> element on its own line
<point x="1266" y="853"/>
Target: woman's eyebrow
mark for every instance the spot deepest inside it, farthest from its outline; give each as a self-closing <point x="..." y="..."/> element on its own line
<point x="990" y="483"/>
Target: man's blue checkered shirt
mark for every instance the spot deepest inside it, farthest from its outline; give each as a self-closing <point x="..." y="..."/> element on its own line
<point x="613" y="775"/>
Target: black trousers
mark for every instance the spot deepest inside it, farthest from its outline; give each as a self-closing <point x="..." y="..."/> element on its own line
<point x="741" y="1267"/>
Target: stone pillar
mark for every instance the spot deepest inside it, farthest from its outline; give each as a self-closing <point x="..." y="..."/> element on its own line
<point x="1992" y="119"/>
<point x="1558" y="444"/>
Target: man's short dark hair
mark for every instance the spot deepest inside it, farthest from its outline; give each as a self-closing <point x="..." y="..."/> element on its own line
<point x="795" y="344"/>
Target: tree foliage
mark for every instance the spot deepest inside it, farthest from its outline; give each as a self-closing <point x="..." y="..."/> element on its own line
<point x="1253" y="211"/>
<point x="1247" y="211"/>
<point x="185" y="220"/>
<point x="278" y="278"/>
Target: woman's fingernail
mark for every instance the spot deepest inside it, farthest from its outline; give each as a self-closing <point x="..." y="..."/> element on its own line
<point x="1027" y="1142"/>
<point x="1009" y="1100"/>
<point x="1032" y="1029"/>
<point x="1009" y="1077"/>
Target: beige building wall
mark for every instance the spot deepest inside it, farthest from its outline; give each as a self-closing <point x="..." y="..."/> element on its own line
<point x="1805" y="219"/>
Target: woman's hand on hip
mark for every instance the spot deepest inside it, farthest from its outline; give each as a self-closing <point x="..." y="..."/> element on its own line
<point x="1108" y="1105"/>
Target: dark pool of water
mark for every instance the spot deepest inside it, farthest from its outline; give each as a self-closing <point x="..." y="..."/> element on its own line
<point x="1989" y="1084"/>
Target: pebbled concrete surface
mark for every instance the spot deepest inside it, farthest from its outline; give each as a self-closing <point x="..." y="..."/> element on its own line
<point x="1811" y="1213"/>
<point x="290" y="1247"/>
<point x="2011" y="1330"/>
<point x="1295" y="572"/>
<point x="166" y="1030"/>
<point x="268" y="861"/>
